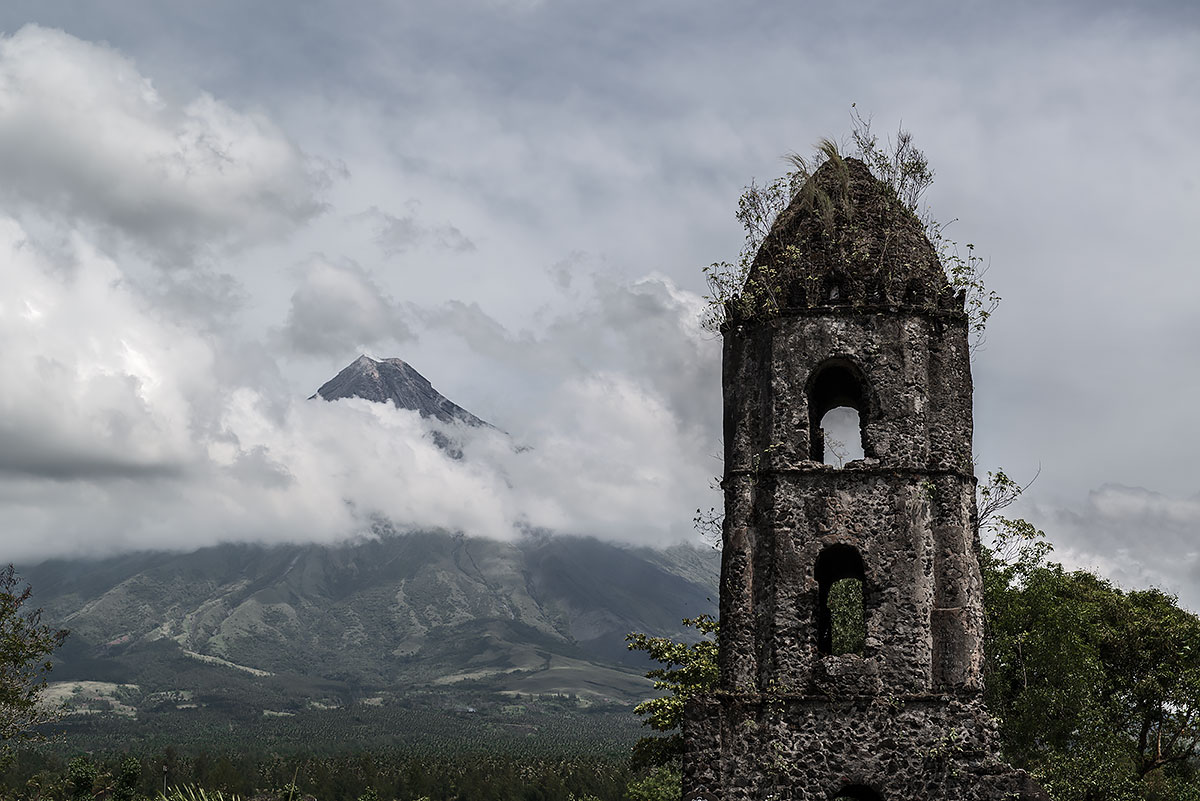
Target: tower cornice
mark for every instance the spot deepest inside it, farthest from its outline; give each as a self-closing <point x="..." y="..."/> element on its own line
<point x="825" y="472"/>
<point x="951" y="316"/>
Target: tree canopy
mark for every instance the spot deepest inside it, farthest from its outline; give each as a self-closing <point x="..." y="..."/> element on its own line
<point x="25" y="648"/>
<point x="687" y="669"/>
<point x="1097" y="689"/>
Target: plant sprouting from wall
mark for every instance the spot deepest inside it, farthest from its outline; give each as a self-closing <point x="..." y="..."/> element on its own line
<point x="738" y="289"/>
<point x="743" y="290"/>
<point x="900" y="165"/>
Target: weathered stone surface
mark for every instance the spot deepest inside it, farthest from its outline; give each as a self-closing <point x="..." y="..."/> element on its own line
<point x="846" y="239"/>
<point x="804" y="748"/>
<point x="885" y="335"/>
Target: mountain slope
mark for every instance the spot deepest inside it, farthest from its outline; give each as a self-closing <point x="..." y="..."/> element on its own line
<point x="418" y="610"/>
<point x="394" y="381"/>
<point x="442" y="621"/>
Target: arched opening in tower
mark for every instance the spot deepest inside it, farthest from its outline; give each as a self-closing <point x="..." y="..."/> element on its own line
<point x="841" y="435"/>
<point x="841" y="605"/>
<point x="857" y="792"/>
<point x="837" y="412"/>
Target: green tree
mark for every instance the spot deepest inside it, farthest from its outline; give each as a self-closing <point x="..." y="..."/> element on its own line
<point x="1097" y="688"/>
<point x="25" y="648"/>
<point x="660" y="784"/>
<point x="129" y="776"/>
<point x="82" y="774"/>
<point x="688" y="669"/>
<point x="849" y="629"/>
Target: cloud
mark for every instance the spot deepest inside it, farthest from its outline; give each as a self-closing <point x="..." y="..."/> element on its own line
<point x="116" y="430"/>
<point x="1135" y="536"/>
<point x="608" y="458"/>
<point x="124" y="424"/>
<point x="85" y="136"/>
<point x="338" y="309"/>
<point x="89" y="387"/>
<point x="123" y="427"/>
<point x="645" y="329"/>
<point x="396" y="235"/>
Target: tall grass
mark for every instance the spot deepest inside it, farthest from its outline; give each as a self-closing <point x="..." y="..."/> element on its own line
<point x="187" y="792"/>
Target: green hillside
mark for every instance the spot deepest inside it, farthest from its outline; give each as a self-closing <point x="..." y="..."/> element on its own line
<point x="276" y="635"/>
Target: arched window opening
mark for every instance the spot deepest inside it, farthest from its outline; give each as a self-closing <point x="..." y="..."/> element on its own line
<point x="837" y="410"/>
<point x="841" y="436"/>
<point x="857" y="792"/>
<point x="841" y="607"/>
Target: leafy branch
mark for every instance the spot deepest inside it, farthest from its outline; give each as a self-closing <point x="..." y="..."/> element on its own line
<point x="25" y="648"/>
<point x="688" y="669"/>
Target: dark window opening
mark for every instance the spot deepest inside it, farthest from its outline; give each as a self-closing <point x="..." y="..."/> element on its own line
<point x="914" y="292"/>
<point x="841" y="436"/>
<point x="837" y="411"/>
<point x="797" y="296"/>
<point x="857" y="792"/>
<point x="841" y="607"/>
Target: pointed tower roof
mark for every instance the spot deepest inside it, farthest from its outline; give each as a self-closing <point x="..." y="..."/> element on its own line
<point x="846" y="239"/>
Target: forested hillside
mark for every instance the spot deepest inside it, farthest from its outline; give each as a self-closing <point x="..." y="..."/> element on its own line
<point x="390" y="614"/>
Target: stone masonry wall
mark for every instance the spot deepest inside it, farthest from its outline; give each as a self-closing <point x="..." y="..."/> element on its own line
<point x="916" y="366"/>
<point x="847" y="305"/>
<point x="776" y="748"/>
<point x="907" y="508"/>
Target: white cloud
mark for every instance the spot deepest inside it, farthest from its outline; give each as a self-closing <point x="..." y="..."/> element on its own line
<point x="608" y="458"/>
<point x="1133" y="535"/>
<point x="646" y="329"/>
<point x="122" y="428"/>
<point x="85" y="135"/>
<point x="397" y="234"/>
<point x="339" y="309"/>
<point x="91" y="381"/>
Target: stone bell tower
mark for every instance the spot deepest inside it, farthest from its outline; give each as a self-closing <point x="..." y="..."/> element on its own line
<point x="851" y="639"/>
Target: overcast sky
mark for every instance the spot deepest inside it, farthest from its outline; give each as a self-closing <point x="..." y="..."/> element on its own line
<point x="208" y="209"/>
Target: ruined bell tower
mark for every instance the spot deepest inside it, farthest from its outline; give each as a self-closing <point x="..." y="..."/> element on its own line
<point x="851" y="638"/>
